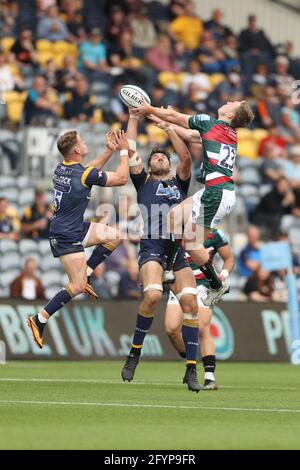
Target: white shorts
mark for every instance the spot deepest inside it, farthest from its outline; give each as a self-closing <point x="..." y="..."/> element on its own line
<point x="202" y="294"/>
<point x="210" y="207"/>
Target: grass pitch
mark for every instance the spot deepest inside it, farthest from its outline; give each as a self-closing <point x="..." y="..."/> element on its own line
<point x="85" y="405"/>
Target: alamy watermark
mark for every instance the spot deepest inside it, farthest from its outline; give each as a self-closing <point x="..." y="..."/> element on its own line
<point x="2" y="353"/>
<point x="296" y="93"/>
<point x="295" y="357"/>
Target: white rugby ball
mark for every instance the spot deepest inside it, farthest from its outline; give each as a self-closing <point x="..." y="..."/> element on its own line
<point x="132" y="95"/>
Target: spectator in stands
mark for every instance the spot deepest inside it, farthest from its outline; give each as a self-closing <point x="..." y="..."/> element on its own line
<point x="42" y="6"/>
<point x="41" y="104"/>
<point x="274" y="138"/>
<point x="143" y="31"/>
<point x="273" y="206"/>
<point x="27" y="285"/>
<point x="211" y="55"/>
<point x="9" y="221"/>
<point x="249" y="257"/>
<point x="66" y="76"/>
<point x="130" y="286"/>
<point x="187" y="27"/>
<point x="8" y="16"/>
<point x="8" y="80"/>
<point x="79" y="108"/>
<point x="123" y="59"/>
<point x="288" y="130"/>
<point x="36" y="218"/>
<point x="117" y="23"/>
<point x="271" y="169"/>
<point x="230" y="89"/>
<point x="92" y="54"/>
<point x="51" y="27"/>
<point x="291" y="167"/>
<point x="100" y="283"/>
<point x="230" y="51"/>
<point x="194" y="76"/>
<point x="281" y="78"/>
<point x="24" y="49"/>
<point x="73" y="18"/>
<point x="254" y="45"/>
<point x="268" y="108"/>
<point x="161" y="57"/>
<point x="119" y="112"/>
<point x="260" y="286"/>
<point x="219" y="30"/>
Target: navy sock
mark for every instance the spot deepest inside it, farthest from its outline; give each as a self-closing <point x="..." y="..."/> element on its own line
<point x="57" y="302"/>
<point x="209" y="363"/>
<point x="143" y="325"/>
<point x="99" y="254"/>
<point x="190" y="335"/>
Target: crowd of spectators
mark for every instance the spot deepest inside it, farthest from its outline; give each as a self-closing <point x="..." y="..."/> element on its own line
<point x="70" y="58"/>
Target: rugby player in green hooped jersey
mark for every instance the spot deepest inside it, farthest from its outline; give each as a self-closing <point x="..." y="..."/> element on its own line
<point x="217" y="242"/>
<point x="219" y="145"/>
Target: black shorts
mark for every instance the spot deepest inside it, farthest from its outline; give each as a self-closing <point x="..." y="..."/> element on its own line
<point x="155" y="250"/>
<point x="61" y="247"/>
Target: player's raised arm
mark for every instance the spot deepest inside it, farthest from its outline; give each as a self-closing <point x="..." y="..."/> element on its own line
<point x="100" y="161"/>
<point x="135" y="163"/>
<point x="188" y="135"/>
<point x="169" y="115"/>
<point x="120" y="176"/>
<point x="184" y="168"/>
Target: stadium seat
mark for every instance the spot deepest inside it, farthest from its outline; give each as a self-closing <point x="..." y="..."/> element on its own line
<point x="42" y="45"/>
<point x="6" y="277"/>
<point x="15" y="104"/>
<point x="10" y="261"/>
<point x="259" y="134"/>
<point x="22" y="181"/>
<point x="61" y="48"/>
<point x="6" y="181"/>
<point x="7" y="43"/>
<point x="7" y="246"/>
<point x="44" y="247"/>
<point x="51" y="278"/>
<point x="216" y="78"/>
<point x="12" y="194"/>
<point x="250" y="175"/>
<point x="247" y="148"/>
<point x="244" y="134"/>
<point x="48" y="262"/>
<point x="28" y="246"/>
<point x="26" y="196"/>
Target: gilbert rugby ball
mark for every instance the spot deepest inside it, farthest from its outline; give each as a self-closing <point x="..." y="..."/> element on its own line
<point x="132" y="96"/>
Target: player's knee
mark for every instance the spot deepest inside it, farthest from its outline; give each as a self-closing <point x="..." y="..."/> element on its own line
<point x="152" y="298"/>
<point x="77" y="287"/>
<point x="172" y="330"/>
<point x="204" y="331"/>
<point x="189" y="304"/>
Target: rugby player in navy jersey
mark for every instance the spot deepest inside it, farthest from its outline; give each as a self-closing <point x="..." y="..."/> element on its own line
<point x="157" y="191"/>
<point x="219" y="145"/>
<point x="69" y="234"/>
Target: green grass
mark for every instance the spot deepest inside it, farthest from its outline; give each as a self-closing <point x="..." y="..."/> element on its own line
<point x="87" y="413"/>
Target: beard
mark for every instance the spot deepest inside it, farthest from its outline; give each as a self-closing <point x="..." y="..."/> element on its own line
<point x="159" y="172"/>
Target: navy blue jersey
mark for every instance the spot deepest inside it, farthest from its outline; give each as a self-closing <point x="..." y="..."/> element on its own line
<point x="155" y="198"/>
<point x="72" y="185"/>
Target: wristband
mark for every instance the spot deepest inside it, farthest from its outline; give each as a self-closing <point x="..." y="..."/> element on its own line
<point x="135" y="160"/>
<point x="224" y="273"/>
<point x="124" y="153"/>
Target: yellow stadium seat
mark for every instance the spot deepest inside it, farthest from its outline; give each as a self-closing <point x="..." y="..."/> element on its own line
<point x="6" y="44"/>
<point x="15" y="105"/>
<point x="155" y="132"/>
<point x="259" y="134"/>
<point x="42" y="45"/>
<point x="169" y="80"/>
<point x="61" y="47"/>
<point x="143" y="140"/>
<point x="247" y="148"/>
<point x="59" y="59"/>
<point x="244" y="134"/>
<point x="216" y="78"/>
<point x="98" y="115"/>
<point x="43" y="58"/>
<point x="73" y="50"/>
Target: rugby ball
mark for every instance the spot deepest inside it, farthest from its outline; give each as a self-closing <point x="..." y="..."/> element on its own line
<point x="132" y="95"/>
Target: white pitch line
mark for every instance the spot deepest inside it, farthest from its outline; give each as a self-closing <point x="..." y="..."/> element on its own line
<point x="119" y="382"/>
<point x="141" y="405"/>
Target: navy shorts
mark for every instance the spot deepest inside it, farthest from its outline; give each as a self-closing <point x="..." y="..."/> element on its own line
<point x="60" y="246"/>
<point x="155" y="250"/>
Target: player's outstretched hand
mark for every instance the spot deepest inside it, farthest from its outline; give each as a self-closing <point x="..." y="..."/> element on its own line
<point x="122" y="140"/>
<point x="111" y="141"/>
<point x="143" y="110"/>
<point x="160" y="123"/>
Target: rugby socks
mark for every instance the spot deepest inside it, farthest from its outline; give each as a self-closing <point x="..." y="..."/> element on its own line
<point x="190" y="335"/>
<point x="209" y="365"/>
<point x="57" y="302"/>
<point x="100" y="253"/>
<point x="143" y="324"/>
<point x="209" y="272"/>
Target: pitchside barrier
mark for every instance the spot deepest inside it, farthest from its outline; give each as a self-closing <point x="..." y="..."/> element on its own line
<point x="103" y="330"/>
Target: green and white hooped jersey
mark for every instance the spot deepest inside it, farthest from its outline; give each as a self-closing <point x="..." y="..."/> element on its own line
<point x="216" y="240"/>
<point x="219" y="142"/>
